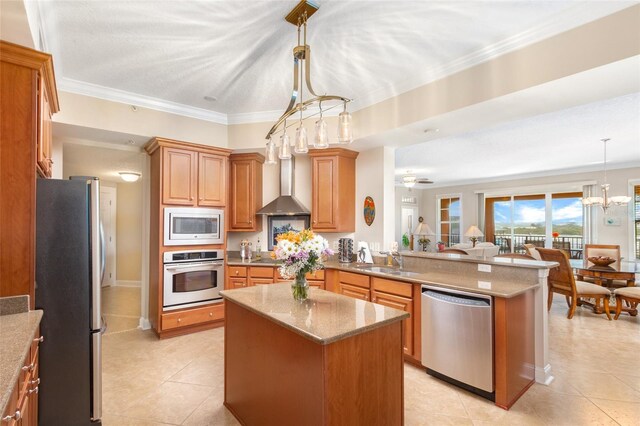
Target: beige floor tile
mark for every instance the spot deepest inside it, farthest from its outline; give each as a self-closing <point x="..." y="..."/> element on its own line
<point x="119" y="323"/>
<point x="419" y="387"/>
<point x="569" y="410"/>
<point x="625" y="413"/>
<point x="211" y="412"/>
<point x="201" y="371"/>
<point x="170" y="403"/>
<point x="603" y="385"/>
<point x="432" y="419"/>
<point x="630" y="380"/>
<point x="121" y="393"/>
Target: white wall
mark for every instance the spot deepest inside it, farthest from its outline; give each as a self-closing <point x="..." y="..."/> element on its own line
<point x="618" y="179"/>
<point x="401" y="192"/>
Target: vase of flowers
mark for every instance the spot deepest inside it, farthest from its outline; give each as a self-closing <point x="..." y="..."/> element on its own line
<point x="300" y="252"/>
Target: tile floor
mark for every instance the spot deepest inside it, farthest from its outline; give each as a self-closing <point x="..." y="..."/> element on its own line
<point x="121" y="308"/>
<point x="180" y="381"/>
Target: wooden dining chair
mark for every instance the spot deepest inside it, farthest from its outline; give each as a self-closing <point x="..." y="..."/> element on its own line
<point x="532" y="251"/>
<point x="453" y="251"/>
<point x="562" y="281"/>
<point x="516" y="256"/>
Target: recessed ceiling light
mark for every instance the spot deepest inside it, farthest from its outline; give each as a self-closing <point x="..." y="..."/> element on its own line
<point x="431" y="130"/>
<point x="210" y="98"/>
<point x="130" y="142"/>
<point x="134" y="108"/>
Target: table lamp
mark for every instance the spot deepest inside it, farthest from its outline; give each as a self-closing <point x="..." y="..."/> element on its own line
<point x="473" y="233"/>
<point x="422" y="231"/>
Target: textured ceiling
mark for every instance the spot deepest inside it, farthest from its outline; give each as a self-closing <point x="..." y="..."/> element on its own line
<point x="554" y="142"/>
<point x="240" y="51"/>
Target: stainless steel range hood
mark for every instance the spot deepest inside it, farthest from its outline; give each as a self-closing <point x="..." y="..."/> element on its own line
<point x="286" y="203"/>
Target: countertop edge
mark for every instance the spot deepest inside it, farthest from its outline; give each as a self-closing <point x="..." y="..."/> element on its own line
<point x="6" y="388"/>
<point x="313" y="337"/>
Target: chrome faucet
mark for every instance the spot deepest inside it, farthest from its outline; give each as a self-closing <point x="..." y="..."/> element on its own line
<point x="393" y="255"/>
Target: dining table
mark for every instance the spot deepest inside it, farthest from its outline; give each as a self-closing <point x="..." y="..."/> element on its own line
<point x="604" y="276"/>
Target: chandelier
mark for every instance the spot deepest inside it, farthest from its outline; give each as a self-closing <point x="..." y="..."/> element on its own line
<point x="605" y="201"/>
<point x="297" y="105"/>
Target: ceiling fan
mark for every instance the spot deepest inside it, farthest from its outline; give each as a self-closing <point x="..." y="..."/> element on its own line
<point x="410" y="180"/>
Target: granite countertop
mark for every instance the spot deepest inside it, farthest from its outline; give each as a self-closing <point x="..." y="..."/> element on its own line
<point x="324" y="318"/>
<point x="266" y="260"/>
<point x="16" y="334"/>
<point x="505" y="261"/>
<point x="491" y="287"/>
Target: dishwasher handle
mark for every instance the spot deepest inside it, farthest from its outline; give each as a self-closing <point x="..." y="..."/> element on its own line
<point x="455" y="299"/>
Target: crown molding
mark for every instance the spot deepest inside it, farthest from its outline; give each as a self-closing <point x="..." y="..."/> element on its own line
<point x="116" y="95"/>
<point x="571" y="18"/>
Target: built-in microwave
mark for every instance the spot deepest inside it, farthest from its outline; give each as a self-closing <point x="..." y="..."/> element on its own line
<point x="185" y="226"/>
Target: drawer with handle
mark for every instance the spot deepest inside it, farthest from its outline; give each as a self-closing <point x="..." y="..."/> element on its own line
<point x="237" y="271"/>
<point x="192" y="316"/>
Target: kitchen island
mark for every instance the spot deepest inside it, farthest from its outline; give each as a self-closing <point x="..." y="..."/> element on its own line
<point x="331" y="359"/>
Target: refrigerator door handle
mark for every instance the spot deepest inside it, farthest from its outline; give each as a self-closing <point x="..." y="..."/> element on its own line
<point x="103" y="254"/>
<point x="96" y="314"/>
<point x="96" y="380"/>
<point x="103" y="327"/>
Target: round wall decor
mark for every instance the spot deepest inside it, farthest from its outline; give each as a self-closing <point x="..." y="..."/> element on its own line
<point x="369" y="210"/>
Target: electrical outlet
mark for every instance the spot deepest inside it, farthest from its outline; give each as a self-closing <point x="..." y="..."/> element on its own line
<point x="484" y="284"/>
<point x="484" y="268"/>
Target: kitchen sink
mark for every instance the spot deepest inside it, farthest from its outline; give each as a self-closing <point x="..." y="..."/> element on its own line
<point x="387" y="270"/>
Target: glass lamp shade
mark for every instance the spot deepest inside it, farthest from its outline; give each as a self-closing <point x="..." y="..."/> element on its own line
<point x="301" y="146"/>
<point x="322" y="137"/>
<point x="345" y="136"/>
<point x="270" y="153"/>
<point x="285" y="148"/>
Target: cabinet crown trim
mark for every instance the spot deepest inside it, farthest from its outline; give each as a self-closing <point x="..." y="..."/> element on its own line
<point x="340" y="152"/>
<point x="247" y="156"/>
<point x="36" y="60"/>
<point x="157" y="142"/>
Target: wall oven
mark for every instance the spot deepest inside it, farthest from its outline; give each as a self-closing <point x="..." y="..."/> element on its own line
<point x="192" y="278"/>
<point x="191" y="225"/>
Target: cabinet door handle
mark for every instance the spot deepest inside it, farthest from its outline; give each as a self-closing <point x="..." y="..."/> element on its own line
<point x="191" y="198"/>
<point x="39" y="339"/>
<point x="210" y="314"/>
<point x="28" y="367"/>
<point x="17" y="416"/>
<point x="35" y="382"/>
<point x="250" y="221"/>
<point x="237" y="272"/>
<point x="34" y="390"/>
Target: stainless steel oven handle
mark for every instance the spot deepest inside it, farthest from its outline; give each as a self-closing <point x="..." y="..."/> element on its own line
<point x="193" y="266"/>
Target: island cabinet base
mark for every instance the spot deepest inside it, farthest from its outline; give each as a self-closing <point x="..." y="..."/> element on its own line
<point x="274" y="376"/>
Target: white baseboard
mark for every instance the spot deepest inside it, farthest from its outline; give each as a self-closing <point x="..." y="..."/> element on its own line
<point x="144" y="324"/>
<point x="126" y="283"/>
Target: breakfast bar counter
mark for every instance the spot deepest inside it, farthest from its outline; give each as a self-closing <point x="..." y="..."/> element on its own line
<point x="330" y="359"/>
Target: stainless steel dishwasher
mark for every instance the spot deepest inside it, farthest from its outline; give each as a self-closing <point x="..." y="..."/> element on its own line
<point x="457" y="338"/>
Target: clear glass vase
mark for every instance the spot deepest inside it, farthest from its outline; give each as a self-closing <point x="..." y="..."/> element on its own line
<point x="300" y="288"/>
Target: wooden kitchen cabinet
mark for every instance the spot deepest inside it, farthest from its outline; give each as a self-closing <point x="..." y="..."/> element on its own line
<point x="236" y="283"/>
<point x="245" y="183"/>
<point x="354" y="285"/>
<point x="24" y="396"/>
<point x="188" y="175"/>
<point x="259" y="275"/>
<point x="397" y="301"/>
<point x="333" y="190"/>
<point x="179" y="172"/>
<point x="195" y="316"/>
<point x="212" y="182"/>
<point x="28" y="98"/>
<point x="192" y="175"/>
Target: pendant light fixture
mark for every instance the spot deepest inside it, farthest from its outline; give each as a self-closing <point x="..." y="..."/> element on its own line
<point x="605" y="201"/>
<point x="302" y="73"/>
<point x="271" y="157"/>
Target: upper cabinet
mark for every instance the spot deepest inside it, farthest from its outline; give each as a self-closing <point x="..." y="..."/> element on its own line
<point x="192" y="175"/>
<point x="245" y="182"/>
<point x="333" y="198"/>
<point x="28" y="99"/>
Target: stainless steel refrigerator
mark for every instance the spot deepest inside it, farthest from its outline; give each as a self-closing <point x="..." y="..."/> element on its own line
<point x="68" y="276"/>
